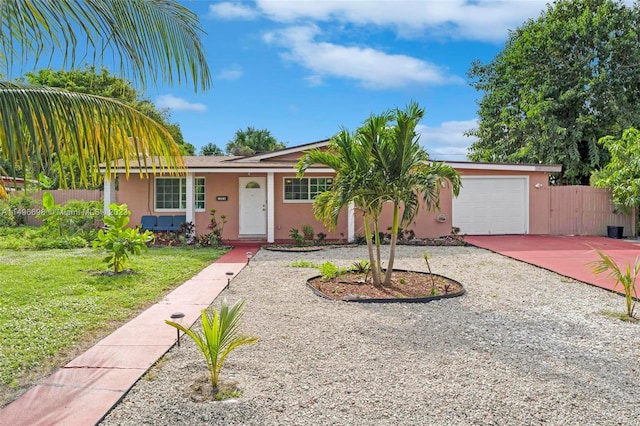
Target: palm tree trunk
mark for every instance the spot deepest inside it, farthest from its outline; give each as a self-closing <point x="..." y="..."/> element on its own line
<point x="378" y="256"/>
<point x="392" y="245"/>
<point x="375" y="270"/>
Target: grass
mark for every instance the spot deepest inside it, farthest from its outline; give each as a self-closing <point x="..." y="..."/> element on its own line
<point x="55" y="301"/>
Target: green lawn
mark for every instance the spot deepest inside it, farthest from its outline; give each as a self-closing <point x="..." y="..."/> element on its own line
<point x="54" y="302"/>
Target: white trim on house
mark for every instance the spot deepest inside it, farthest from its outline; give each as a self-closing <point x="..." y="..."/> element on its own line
<point x="198" y="170"/>
<point x="191" y="196"/>
<point x="284" y="151"/>
<point x="351" y="222"/>
<point x="549" y="168"/>
<point x="271" y="216"/>
<point x="109" y="195"/>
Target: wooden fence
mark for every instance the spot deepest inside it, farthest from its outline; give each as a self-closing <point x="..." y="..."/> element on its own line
<point x="584" y="210"/>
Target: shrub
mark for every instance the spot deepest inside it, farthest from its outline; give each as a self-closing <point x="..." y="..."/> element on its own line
<point x="75" y="217"/>
<point x="219" y="336"/>
<point x="6" y="215"/>
<point x="307" y="231"/>
<point x="329" y="270"/>
<point x="215" y="238"/>
<point x="118" y="241"/>
<point x="295" y="236"/>
<point x="19" y="205"/>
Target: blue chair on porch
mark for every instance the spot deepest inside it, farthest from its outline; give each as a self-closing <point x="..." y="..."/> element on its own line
<point x="148" y="223"/>
<point x="178" y="220"/>
<point x="165" y="223"/>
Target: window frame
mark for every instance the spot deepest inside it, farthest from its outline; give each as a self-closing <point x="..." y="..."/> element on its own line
<point x="310" y="194"/>
<point x="182" y="194"/>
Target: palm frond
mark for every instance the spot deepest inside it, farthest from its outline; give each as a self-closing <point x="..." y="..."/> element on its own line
<point x="151" y="39"/>
<point x="92" y="130"/>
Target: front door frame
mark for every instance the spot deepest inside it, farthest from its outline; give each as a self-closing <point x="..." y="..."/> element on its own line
<point x="254" y="217"/>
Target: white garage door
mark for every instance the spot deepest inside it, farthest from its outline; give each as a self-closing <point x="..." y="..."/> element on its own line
<point x="492" y="205"/>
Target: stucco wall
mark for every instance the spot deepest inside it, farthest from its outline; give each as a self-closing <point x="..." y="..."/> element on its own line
<point x="290" y="215"/>
<point x="138" y="194"/>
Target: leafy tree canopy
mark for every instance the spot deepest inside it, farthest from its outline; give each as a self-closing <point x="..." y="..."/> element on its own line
<point x="622" y="173"/>
<point x="211" y="149"/>
<point x="253" y="141"/>
<point x="107" y="85"/>
<point x="561" y="83"/>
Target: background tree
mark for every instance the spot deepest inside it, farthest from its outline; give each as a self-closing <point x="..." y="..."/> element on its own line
<point x="622" y="173"/>
<point x="211" y="149"/>
<point x="107" y="85"/>
<point x="253" y="141"/>
<point x="157" y="40"/>
<point x="561" y="83"/>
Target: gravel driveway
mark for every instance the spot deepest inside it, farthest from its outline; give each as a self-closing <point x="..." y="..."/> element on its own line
<point x="522" y="346"/>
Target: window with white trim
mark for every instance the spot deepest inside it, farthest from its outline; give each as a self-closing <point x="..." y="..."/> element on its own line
<point x="198" y="187"/>
<point x="305" y="189"/>
<point x="171" y="194"/>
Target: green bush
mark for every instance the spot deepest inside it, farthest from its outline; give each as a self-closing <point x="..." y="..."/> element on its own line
<point x="58" y="243"/>
<point x="19" y="205"/>
<point x="119" y="241"/>
<point x="75" y="217"/>
<point x="6" y="215"/>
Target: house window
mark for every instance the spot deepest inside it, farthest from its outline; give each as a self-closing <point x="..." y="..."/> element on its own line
<point x="199" y="193"/>
<point x="171" y="194"/>
<point x="305" y="189"/>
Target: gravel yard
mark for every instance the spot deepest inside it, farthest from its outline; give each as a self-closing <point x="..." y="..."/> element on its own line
<point x="522" y="346"/>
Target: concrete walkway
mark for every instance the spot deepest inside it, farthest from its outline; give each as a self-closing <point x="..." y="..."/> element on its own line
<point x="83" y="391"/>
<point x="566" y="255"/>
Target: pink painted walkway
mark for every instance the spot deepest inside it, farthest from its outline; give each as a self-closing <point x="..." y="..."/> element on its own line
<point x="83" y="391"/>
<point x="568" y="256"/>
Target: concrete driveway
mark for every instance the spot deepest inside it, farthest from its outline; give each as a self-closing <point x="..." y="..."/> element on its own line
<point x="565" y="255"/>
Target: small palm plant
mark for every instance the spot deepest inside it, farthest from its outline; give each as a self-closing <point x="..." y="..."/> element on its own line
<point x="219" y="336"/>
<point x="626" y="278"/>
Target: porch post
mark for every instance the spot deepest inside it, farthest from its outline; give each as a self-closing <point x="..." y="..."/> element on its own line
<point x="109" y="194"/>
<point x="191" y="201"/>
<point x="270" y="208"/>
<point x="351" y="223"/>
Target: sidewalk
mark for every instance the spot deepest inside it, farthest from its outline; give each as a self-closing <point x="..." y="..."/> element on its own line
<point x="83" y="391"/>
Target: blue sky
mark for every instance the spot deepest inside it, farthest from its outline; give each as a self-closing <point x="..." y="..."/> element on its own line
<point x="304" y="69"/>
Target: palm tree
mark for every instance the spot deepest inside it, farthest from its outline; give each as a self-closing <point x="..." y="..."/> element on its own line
<point x="157" y="40"/>
<point x="407" y="171"/>
<point x="356" y="180"/>
<point x="383" y="161"/>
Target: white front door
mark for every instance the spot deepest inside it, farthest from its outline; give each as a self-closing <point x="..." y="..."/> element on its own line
<point x="253" y="206"/>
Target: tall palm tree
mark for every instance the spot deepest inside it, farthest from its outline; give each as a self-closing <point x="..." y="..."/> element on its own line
<point x="356" y="180"/>
<point x="156" y="40"/>
<point x="383" y="161"/>
<point x="408" y="173"/>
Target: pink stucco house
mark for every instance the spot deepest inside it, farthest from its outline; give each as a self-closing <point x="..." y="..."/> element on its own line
<point x="263" y="200"/>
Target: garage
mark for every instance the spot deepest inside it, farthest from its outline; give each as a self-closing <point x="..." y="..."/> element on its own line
<point x="492" y="205"/>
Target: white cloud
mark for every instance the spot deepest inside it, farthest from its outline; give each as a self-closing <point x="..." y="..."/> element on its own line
<point x="178" y="104"/>
<point x="234" y="72"/>
<point x="487" y="20"/>
<point x="228" y="10"/>
<point x="373" y="68"/>
<point x="447" y="141"/>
